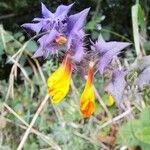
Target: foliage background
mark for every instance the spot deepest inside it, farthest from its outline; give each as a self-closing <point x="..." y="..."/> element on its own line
<point x="58" y="125"/>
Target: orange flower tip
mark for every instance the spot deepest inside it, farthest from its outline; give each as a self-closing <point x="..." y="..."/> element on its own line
<point x="61" y="40"/>
<point x="87" y="116"/>
<point x="87" y="109"/>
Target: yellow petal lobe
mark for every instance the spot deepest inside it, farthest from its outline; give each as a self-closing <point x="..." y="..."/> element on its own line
<point x="59" y="82"/>
<point x="110" y="101"/>
<point x="87" y="99"/>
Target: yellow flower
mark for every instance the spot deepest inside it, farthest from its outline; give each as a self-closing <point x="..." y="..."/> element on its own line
<point x="110" y="101"/>
<point x="87" y="99"/>
<point x="59" y="81"/>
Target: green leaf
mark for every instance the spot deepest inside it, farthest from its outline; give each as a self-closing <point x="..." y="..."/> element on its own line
<point x="142" y="22"/>
<point x="147" y="46"/>
<point x="18" y="35"/>
<point x="145" y="117"/>
<point x="126" y="133"/>
<point x="32" y="146"/>
<point x="136" y="132"/>
<point x="31" y="46"/>
<point x="92" y="24"/>
<point x="1" y="49"/>
<point x="138" y="20"/>
<point x="136" y="29"/>
<point x="143" y="134"/>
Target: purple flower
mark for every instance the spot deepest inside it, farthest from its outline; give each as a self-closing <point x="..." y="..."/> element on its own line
<point x="144" y="78"/>
<point x="48" y="44"/>
<point x="107" y="50"/>
<point x="50" y="20"/>
<point x="117" y="85"/>
<point x="76" y="34"/>
<point x="62" y="32"/>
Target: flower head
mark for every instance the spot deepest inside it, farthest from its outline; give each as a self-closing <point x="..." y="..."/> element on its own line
<point x="62" y="32"/>
<point x="50" y="42"/>
<point x="107" y="50"/>
<point x="50" y="20"/>
<point x="87" y="99"/>
<point x="59" y="81"/>
<point x="116" y="86"/>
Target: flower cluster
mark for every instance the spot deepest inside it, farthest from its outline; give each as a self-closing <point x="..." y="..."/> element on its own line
<point x="60" y="31"/>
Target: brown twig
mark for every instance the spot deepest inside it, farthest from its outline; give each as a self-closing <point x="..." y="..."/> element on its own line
<point x="124" y="114"/>
<point x="102" y="103"/>
<point x="7" y="16"/>
<point x="47" y="139"/>
<point x="32" y="123"/>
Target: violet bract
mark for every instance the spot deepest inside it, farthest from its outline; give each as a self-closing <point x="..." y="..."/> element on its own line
<point x="62" y="32"/>
<point x="117" y="85"/>
<point x="107" y="50"/>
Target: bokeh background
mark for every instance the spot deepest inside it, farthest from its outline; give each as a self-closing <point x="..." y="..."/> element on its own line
<point x="23" y="88"/>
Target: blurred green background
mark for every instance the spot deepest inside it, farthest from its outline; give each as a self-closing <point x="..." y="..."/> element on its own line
<point x="117" y="13"/>
<point x="23" y="91"/>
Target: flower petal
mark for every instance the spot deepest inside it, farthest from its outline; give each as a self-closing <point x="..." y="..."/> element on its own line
<point x="144" y="78"/>
<point x="115" y="49"/>
<point x="45" y="12"/>
<point x="117" y="85"/>
<point x="39" y="52"/>
<point x="110" y="101"/>
<point x="59" y="82"/>
<point x="102" y="47"/>
<point x="46" y="39"/>
<point x="87" y="99"/>
<point x="36" y="27"/>
<point x="76" y="36"/>
<point x="46" y="44"/>
<point x="63" y="10"/>
<point x="76" y="21"/>
<point x="78" y="50"/>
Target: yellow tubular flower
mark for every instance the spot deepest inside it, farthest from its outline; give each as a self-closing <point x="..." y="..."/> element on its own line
<point x="110" y="101"/>
<point x="87" y="99"/>
<point x="59" y="82"/>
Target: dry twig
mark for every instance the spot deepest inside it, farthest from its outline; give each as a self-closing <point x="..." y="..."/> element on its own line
<point x="25" y="136"/>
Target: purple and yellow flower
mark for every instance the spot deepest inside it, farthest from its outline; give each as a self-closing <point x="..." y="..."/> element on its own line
<point x="87" y="99"/>
<point x="116" y="87"/>
<point x="107" y="51"/>
<point x="50" y="42"/>
<point x="61" y="32"/>
<point x="59" y="82"/>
